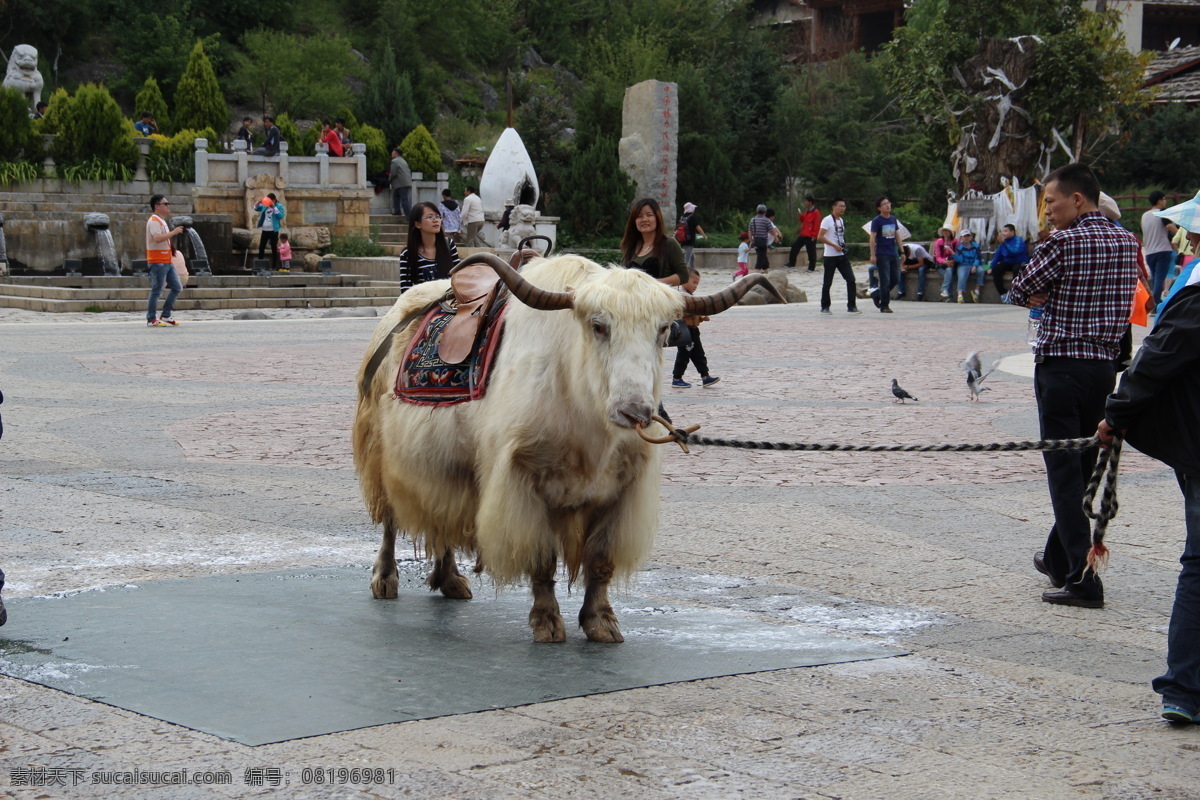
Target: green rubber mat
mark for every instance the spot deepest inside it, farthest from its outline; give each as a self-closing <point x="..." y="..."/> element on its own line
<point x="267" y="657"/>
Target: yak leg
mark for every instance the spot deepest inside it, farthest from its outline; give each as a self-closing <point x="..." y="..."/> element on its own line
<point x="384" y="579"/>
<point x="596" y="617"/>
<point x="448" y="579"/>
<point x="544" y="617"/>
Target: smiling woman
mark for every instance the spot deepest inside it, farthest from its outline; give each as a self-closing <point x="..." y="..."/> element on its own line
<point x="647" y="247"/>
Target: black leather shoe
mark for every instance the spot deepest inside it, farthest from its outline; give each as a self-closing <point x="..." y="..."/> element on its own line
<point x="1062" y="597"/>
<point x="1039" y="563"/>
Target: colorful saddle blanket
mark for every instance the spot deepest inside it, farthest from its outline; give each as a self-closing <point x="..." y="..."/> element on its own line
<point x="425" y="379"/>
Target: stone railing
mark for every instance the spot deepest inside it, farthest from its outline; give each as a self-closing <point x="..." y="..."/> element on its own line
<point x="233" y="169"/>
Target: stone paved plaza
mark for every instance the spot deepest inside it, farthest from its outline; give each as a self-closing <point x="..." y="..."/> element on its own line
<point x="222" y="447"/>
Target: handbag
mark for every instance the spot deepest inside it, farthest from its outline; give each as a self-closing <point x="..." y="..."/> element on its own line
<point x="1139" y="315"/>
<point x="760" y="242"/>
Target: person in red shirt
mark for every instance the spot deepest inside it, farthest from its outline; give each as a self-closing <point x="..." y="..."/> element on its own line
<point x="810" y="229"/>
<point x="330" y="137"/>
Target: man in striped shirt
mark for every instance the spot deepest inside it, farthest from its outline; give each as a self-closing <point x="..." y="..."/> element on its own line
<point x="1083" y="277"/>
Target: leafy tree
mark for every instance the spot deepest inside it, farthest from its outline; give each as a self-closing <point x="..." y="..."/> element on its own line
<point x="91" y="127"/>
<point x="1075" y="78"/>
<point x="421" y="152"/>
<point x="1162" y="151"/>
<point x="290" y="134"/>
<point x="199" y="103"/>
<point x="387" y="97"/>
<point x="51" y="121"/>
<point x="596" y="193"/>
<point x="151" y="99"/>
<point x="378" y="151"/>
<point x="160" y="50"/>
<point x="301" y="76"/>
<point x="20" y="142"/>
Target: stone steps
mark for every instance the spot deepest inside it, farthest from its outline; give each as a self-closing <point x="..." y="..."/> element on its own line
<point x="55" y="204"/>
<point x="62" y="294"/>
<point x="186" y="304"/>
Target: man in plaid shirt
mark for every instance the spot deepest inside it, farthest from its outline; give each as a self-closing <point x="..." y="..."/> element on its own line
<point x="1083" y="277"/>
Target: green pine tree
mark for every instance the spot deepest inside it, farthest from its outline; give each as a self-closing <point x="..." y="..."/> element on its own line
<point x="387" y="98"/>
<point x="421" y="152"/>
<point x="150" y="98"/>
<point x="198" y="99"/>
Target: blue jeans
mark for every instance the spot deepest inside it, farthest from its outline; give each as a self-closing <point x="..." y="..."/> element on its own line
<point x="888" y="269"/>
<point x="948" y="277"/>
<point x="965" y="272"/>
<point x="1159" y="265"/>
<point x="1180" y="685"/>
<point x="160" y="274"/>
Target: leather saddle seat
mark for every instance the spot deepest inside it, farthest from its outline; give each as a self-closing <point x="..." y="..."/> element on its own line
<point x="474" y="289"/>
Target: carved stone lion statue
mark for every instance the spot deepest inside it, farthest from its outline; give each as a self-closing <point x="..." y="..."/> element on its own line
<point x="521" y="225"/>
<point x="23" y="73"/>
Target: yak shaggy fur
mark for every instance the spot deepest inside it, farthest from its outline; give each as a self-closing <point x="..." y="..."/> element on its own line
<point x="546" y="465"/>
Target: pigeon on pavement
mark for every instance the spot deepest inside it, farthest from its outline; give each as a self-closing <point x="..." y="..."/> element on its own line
<point x="976" y="376"/>
<point x="900" y="394"/>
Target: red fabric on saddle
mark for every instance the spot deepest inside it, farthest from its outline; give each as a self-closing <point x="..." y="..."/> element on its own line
<point x="425" y="379"/>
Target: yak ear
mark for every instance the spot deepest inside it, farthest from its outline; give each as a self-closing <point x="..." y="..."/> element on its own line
<point x="521" y="289"/>
<point x="724" y="299"/>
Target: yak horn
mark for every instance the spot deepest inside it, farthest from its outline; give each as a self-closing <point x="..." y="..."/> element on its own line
<point x="722" y="300"/>
<point x="521" y="289"/>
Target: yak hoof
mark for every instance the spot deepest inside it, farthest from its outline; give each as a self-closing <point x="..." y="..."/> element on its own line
<point x="456" y="587"/>
<point x="547" y="627"/>
<point x="385" y="587"/>
<point x="602" y="627"/>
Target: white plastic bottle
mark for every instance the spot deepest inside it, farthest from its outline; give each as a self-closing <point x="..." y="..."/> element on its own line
<point x="1035" y="325"/>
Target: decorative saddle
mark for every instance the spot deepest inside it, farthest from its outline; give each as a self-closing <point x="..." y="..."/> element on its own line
<point x="449" y="358"/>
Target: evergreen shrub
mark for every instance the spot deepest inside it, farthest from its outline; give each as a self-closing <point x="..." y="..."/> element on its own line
<point x="150" y="98"/>
<point x="421" y="152"/>
<point x="378" y="152"/>
<point x="91" y="129"/>
<point x="199" y="103"/>
<point x="20" y="142"/>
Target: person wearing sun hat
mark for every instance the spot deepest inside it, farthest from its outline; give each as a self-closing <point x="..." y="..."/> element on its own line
<point x="692" y="229"/>
<point x="1187" y="216"/>
<point x="1157" y="410"/>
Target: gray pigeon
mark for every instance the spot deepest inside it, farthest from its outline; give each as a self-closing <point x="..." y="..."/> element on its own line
<point x="976" y="376"/>
<point x="900" y="394"/>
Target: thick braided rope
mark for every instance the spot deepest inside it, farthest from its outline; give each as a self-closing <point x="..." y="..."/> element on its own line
<point x="1105" y="471"/>
<point x="993" y="447"/>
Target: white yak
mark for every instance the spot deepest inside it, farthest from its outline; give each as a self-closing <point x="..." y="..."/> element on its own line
<point x="546" y="465"/>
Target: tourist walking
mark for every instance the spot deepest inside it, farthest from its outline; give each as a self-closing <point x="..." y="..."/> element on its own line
<point x="400" y="181"/>
<point x="1083" y="278"/>
<point x="160" y="247"/>
<point x="885" y="242"/>
<point x="832" y="235"/>
<point x="810" y="229"/>
<point x="1156" y="242"/>
<point x="691" y="229"/>
<point x="762" y="234"/>
<point x="451" y="216"/>
<point x="693" y="350"/>
<point x="472" y="218"/>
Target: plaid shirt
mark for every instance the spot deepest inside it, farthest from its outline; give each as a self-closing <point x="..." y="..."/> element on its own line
<point x="1089" y="271"/>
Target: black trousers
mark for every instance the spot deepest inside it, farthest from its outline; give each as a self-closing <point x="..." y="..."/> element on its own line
<point x="273" y="238"/>
<point x="693" y="353"/>
<point x="998" y="275"/>
<point x="808" y="243"/>
<point x="1070" y="398"/>
<point x="839" y="264"/>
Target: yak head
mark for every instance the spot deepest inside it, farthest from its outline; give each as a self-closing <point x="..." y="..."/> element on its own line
<point x="625" y="316"/>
